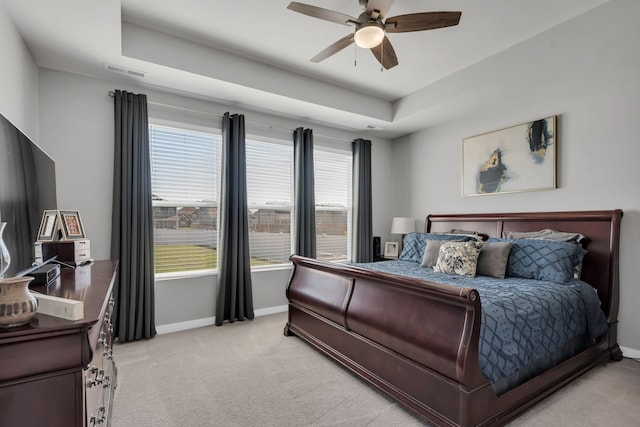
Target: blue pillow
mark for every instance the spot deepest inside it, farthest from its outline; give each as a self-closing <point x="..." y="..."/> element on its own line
<point x="548" y="260"/>
<point x="414" y="244"/>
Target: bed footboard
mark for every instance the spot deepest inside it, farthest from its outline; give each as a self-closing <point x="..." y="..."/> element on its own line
<point x="415" y="340"/>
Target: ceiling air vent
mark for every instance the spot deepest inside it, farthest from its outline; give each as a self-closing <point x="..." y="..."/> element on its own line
<point x="124" y="71"/>
<point x="135" y="73"/>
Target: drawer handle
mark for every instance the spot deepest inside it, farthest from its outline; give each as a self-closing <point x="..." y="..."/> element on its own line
<point x="95" y="421"/>
<point x="99" y="379"/>
<point x="103" y="417"/>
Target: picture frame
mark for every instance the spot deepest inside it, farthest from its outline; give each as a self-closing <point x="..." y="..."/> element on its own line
<point x="71" y="225"/>
<point x="391" y="249"/>
<point x="49" y="226"/>
<point x="513" y="159"/>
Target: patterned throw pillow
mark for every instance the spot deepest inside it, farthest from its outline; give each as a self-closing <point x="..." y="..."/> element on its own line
<point x="414" y="244"/>
<point x="549" y="260"/>
<point x="548" y="234"/>
<point x="458" y="258"/>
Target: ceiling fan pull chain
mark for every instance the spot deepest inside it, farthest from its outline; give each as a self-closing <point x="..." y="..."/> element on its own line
<point x="355" y="56"/>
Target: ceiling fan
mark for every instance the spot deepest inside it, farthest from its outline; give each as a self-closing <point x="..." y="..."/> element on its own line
<point x="371" y="27"/>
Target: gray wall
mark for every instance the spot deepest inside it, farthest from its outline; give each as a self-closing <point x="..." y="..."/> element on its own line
<point x="587" y="72"/>
<point x="18" y="79"/>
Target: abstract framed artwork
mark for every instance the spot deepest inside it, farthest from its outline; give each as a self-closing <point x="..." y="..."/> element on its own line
<point x="516" y="158"/>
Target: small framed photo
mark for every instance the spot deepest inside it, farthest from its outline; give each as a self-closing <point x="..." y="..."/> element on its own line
<point x="71" y="225"/>
<point x="391" y="249"/>
<point x="49" y="226"/>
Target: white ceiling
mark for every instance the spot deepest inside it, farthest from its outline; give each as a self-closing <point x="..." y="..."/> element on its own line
<point x="255" y="53"/>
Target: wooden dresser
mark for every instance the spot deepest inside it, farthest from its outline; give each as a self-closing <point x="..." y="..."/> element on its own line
<point x="56" y="372"/>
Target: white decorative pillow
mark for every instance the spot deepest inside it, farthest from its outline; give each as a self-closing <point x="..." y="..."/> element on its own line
<point x="432" y="251"/>
<point x="458" y="258"/>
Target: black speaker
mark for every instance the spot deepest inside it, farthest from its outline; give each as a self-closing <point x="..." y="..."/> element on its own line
<point x="377" y="249"/>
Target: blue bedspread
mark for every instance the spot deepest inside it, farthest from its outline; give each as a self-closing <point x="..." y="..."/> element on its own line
<point x="526" y="325"/>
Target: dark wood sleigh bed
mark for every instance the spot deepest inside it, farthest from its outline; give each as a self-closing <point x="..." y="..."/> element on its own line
<point x="425" y="355"/>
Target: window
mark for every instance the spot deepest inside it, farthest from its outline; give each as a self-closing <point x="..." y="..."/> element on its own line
<point x="270" y="189"/>
<point x="333" y="204"/>
<point x="185" y="167"/>
<point x="185" y="179"/>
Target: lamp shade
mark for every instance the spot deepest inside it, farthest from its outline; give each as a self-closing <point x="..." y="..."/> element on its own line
<point x="401" y="225"/>
<point x="369" y="34"/>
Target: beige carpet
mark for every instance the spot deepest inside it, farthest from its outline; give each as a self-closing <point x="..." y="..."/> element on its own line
<point x="249" y="374"/>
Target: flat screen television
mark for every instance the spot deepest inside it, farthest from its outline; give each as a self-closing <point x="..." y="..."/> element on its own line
<point x="27" y="188"/>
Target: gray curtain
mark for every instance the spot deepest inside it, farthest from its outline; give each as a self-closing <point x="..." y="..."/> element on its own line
<point x="362" y="246"/>
<point x="235" y="300"/>
<point x="132" y="220"/>
<point x="304" y="210"/>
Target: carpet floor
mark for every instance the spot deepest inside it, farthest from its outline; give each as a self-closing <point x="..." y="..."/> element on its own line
<point x="250" y="374"/>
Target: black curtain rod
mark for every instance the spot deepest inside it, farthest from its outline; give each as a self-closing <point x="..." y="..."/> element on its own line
<point x="160" y="104"/>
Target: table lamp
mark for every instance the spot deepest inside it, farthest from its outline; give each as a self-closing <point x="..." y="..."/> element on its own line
<point x="404" y="226"/>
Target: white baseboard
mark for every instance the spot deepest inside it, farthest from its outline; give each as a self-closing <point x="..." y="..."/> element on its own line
<point x="271" y="310"/>
<point x="183" y="326"/>
<point x="209" y="321"/>
<point x="630" y="353"/>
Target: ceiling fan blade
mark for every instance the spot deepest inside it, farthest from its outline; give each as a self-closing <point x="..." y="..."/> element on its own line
<point x="421" y="21"/>
<point x="385" y="54"/>
<point x="334" y="48"/>
<point x="382" y="6"/>
<point x="321" y="13"/>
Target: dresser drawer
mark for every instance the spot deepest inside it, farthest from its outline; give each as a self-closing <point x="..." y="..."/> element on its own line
<point x="60" y="373"/>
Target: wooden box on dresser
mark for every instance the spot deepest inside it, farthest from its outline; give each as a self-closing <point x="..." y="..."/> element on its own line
<point x="56" y="372"/>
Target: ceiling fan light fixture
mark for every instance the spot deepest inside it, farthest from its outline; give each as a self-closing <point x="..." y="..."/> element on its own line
<point x="368" y="35"/>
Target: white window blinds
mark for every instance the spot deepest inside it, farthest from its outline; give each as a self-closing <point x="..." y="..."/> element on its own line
<point x="185" y="167"/>
<point x="333" y="204"/>
<point x="185" y="174"/>
<point x="269" y="197"/>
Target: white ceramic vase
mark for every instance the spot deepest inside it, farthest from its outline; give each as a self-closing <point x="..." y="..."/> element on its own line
<point x="17" y="303"/>
<point x="5" y="257"/>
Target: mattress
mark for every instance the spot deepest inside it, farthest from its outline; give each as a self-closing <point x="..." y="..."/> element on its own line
<point x="527" y="326"/>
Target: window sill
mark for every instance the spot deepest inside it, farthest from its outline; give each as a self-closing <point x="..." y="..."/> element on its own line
<point x="184" y="275"/>
<point x="205" y="273"/>
<point x="283" y="266"/>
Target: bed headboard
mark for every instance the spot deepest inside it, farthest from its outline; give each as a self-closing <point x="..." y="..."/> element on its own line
<point x="602" y="228"/>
